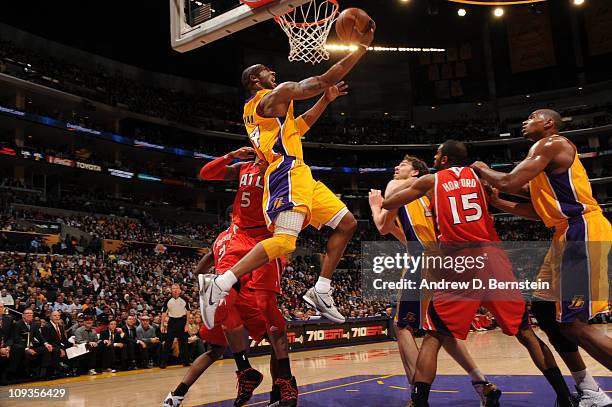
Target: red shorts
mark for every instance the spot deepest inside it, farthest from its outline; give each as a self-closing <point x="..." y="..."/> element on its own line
<point x="233" y="244"/>
<point x="238" y="309"/>
<point x="451" y="312"/>
<point x="241" y="308"/>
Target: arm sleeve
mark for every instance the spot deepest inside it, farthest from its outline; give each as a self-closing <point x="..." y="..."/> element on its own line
<point x="140" y="335"/>
<point x="44" y="334"/>
<point x="9" y="334"/>
<point x="16" y="337"/>
<point x="78" y="336"/>
<point x="38" y="335"/>
<point x="216" y="169"/>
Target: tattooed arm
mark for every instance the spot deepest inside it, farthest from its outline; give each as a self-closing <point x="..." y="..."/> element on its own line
<point x="276" y="103"/>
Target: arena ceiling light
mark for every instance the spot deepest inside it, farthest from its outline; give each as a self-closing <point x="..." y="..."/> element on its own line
<point x="462" y="12"/>
<point x="578" y="2"/>
<point x="377" y="48"/>
<point x="498" y="12"/>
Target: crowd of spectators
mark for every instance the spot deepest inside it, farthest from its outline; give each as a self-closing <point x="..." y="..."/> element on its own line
<point x="205" y="112"/>
<point x="118" y="228"/>
<point x="128" y="288"/>
<point x="113" y="89"/>
<point x="392" y="130"/>
<point x="98" y="217"/>
<point x="95" y="288"/>
<point x="516" y="230"/>
<point x="91" y="200"/>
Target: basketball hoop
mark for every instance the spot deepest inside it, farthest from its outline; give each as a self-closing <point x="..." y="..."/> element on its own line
<point x="307" y="27"/>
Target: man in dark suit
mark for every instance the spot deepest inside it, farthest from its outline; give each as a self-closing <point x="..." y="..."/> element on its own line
<point x="6" y="341"/>
<point x="28" y="343"/>
<point x="113" y="347"/>
<point x="56" y="343"/>
<point x="130" y="338"/>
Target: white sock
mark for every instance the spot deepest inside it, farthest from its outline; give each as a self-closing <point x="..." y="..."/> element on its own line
<point x="323" y="285"/>
<point x="585" y="381"/>
<point x="226" y="280"/>
<point x="477" y="376"/>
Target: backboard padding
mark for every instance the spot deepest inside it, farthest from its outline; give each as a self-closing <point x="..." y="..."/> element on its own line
<point x="185" y="38"/>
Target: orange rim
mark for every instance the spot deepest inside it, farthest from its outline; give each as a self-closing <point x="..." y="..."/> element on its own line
<point x="282" y="20"/>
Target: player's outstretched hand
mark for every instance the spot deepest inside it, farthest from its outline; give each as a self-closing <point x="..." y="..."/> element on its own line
<point x="243" y="153"/>
<point x="367" y="37"/>
<point x="339" y="89"/>
<point x="375" y="198"/>
<point x="492" y="193"/>
<point x="494" y="197"/>
<point x="478" y="165"/>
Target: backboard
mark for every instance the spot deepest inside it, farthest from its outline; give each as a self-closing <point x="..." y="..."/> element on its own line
<point x="194" y="23"/>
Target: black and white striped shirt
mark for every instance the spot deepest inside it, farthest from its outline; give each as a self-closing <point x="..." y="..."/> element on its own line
<point x="176" y="307"/>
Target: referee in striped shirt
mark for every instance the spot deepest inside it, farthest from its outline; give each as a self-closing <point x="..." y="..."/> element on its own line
<point x="175" y="311"/>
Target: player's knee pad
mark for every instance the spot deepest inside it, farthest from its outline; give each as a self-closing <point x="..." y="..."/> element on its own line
<point x="545" y="313"/>
<point x="279" y="245"/>
<point x="289" y="222"/>
<point x="267" y="304"/>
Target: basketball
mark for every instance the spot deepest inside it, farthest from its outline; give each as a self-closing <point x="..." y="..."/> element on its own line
<point x="351" y="22"/>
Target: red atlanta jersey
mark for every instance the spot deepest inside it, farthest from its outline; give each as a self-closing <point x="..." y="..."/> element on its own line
<point x="460" y="207"/>
<point x="247" y="212"/>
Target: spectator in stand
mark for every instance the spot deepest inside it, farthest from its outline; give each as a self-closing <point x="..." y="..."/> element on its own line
<point x="6" y="341"/>
<point x="56" y="343"/>
<point x="28" y="343"/>
<point x="59" y="304"/>
<point x="195" y="345"/>
<point x="6" y="298"/>
<point x="87" y="335"/>
<point x="35" y="245"/>
<point x="130" y="337"/>
<point x="149" y="342"/>
<point x="112" y="347"/>
<point x="75" y="323"/>
<point x="89" y="309"/>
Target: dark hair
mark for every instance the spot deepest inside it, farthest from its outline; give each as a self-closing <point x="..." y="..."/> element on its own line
<point x="552" y="115"/>
<point x="455" y="151"/>
<point x="417" y="164"/>
<point x="246" y="75"/>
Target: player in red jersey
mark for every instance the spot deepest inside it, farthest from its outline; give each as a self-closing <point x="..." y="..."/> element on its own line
<point x="236" y="323"/>
<point x="249" y="229"/>
<point x="465" y="229"/>
<point x="252" y="303"/>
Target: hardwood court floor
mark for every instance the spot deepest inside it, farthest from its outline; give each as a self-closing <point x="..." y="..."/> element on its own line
<point x="495" y="353"/>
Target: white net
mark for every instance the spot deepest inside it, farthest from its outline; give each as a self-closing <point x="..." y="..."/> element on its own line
<point x="307" y="27"/>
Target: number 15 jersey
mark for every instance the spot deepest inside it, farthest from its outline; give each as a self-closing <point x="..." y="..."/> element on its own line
<point x="460" y="207"/>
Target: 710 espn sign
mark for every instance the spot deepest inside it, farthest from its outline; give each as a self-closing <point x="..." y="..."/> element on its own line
<point x="344" y="333"/>
<point x="325" y="334"/>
